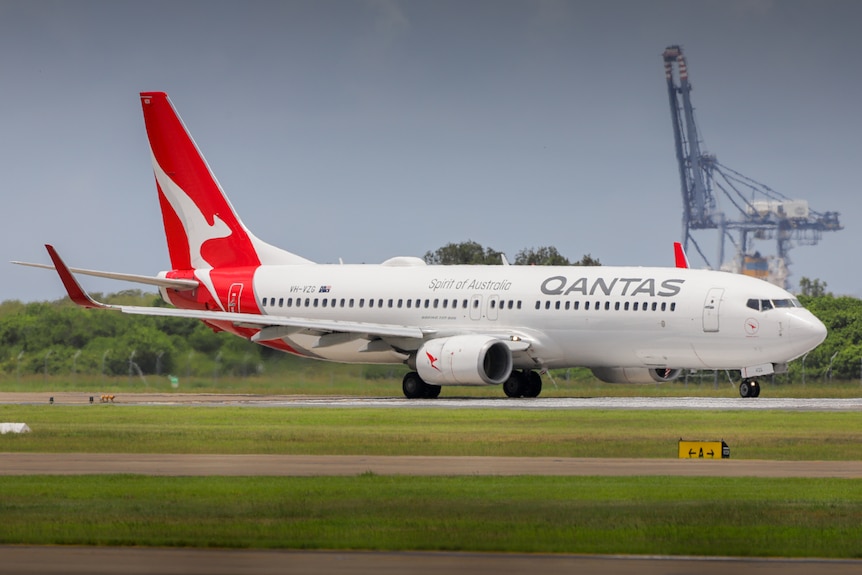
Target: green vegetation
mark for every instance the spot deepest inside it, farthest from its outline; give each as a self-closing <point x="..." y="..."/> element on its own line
<point x="631" y="515"/>
<point x="464" y="432"/>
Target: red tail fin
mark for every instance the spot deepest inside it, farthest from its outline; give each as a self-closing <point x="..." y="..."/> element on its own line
<point x="202" y="228"/>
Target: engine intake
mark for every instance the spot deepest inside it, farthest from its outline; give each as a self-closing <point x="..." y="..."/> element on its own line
<point x="635" y="374"/>
<point x="464" y="360"/>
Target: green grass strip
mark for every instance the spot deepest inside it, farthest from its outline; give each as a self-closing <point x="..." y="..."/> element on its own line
<point x="640" y="515"/>
<point x="477" y="432"/>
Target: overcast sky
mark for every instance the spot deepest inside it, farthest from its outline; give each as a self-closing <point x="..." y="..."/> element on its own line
<point x="368" y="129"/>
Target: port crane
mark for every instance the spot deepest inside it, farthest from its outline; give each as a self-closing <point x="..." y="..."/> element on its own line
<point x="760" y="213"/>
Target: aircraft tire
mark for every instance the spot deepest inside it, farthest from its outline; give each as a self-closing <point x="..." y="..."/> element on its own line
<point x="534" y="384"/>
<point x="516" y="385"/>
<point x="755" y="389"/>
<point x="745" y="388"/>
<point x="432" y="391"/>
<point x="413" y="386"/>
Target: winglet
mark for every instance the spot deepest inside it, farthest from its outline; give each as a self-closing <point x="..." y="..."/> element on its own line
<point x="74" y="289"/>
<point x="679" y="255"/>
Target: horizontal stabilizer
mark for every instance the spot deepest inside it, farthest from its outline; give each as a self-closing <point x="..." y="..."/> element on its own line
<point x="179" y="284"/>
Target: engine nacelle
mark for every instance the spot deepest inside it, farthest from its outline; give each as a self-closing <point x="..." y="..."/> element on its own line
<point x="464" y="360"/>
<point x="635" y="374"/>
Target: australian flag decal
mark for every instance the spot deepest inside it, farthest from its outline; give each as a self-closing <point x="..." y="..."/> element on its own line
<point x="324" y="289"/>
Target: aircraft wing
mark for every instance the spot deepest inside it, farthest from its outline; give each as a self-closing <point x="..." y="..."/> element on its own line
<point x="82" y="298"/>
<point x="148" y="280"/>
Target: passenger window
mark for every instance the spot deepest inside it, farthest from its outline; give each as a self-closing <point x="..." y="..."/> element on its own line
<point x="308" y="302"/>
<point x="635" y="306"/>
<point x="436" y="301"/>
<point x="519" y="304"/>
<point x="350" y="303"/>
<point x="362" y="302"/>
<point x="323" y="302"/>
<point x="380" y="303"/>
<point x="409" y="303"/>
<point x="557" y="305"/>
<point x="617" y="306"/>
<point x="445" y="303"/>
<point x="538" y="305"/>
<point x="568" y="304"/>
<point x="371" y="302"/>
<point x="626" y="306"/>
<point x="607" y="306"/>
<point x="400" y="303"/>
<point x="390" y="303"/>
<point x="673" y="306"/>
<point x="587" y="305"/>
<point x="663" y="306"/>
<point x="548" y="305"/>
<point x="577" y="305"/>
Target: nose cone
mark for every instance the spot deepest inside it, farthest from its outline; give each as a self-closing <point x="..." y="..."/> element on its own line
<point x="806" y="331"/>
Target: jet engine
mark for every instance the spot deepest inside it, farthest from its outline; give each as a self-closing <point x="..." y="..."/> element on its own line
<point x="635" y="374"/>
<point x="464" y="360"/>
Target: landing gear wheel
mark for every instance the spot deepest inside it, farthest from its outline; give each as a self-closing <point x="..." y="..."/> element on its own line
<point x="432" y="391"/>
<point x="516" y="385"/>
<point x="534" y="384"/>
<point x="413" y="386"/>
<point x="749" y="388"/>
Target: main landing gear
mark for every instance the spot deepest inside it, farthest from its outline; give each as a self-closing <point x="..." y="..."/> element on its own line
<point x="749" y="388"/>
<point x="523" y="383"/>
<point x="415" y="388"/>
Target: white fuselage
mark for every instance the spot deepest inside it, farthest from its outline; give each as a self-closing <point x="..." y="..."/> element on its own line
<point x="571" y="316"/>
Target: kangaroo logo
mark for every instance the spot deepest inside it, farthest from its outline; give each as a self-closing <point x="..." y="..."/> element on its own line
<point x="432" y="360"/>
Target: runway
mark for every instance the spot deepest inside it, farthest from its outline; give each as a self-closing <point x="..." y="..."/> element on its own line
<point x="540" y="403"/>
<point x="27" y="560"/>
<point x="350" y="465"/>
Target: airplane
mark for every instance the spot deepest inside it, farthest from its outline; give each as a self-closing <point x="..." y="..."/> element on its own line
<point x="456" y="324"/>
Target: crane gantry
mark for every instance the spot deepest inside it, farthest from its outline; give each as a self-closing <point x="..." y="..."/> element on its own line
<point x="759" y="212"/>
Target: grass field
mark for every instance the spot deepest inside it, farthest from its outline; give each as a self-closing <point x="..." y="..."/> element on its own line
<point x="110" y="428"/>
<point x="630" y="515"/>
<point x="625" y="515"/>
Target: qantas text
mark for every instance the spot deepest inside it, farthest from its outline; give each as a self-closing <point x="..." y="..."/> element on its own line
<point x="560" y="285"/>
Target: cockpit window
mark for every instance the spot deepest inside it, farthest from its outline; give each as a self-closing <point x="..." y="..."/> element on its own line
<point x="767" y="304"/>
